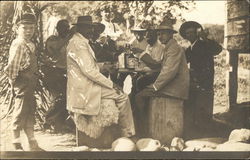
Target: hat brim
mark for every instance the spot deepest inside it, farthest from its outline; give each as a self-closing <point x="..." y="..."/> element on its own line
<point x="166" y="29"/>
<point x="138" y="30"/>
<point x="26" y="22"/>
<point x="99" y="27"/>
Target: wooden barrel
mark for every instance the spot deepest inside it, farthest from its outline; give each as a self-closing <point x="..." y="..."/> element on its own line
<point x="165" y="119"/>
<point x="238" y="26"/>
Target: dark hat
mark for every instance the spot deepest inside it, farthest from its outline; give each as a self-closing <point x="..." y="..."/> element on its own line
<point x="188" y="24"/>
<point x="99" y="27"/>
<point x="84" y="20"/>
<point x="27" y="18"/>
<point x="165" y="25"/>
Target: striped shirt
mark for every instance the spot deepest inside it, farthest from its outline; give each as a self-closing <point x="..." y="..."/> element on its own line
<point x="19" y="58"/>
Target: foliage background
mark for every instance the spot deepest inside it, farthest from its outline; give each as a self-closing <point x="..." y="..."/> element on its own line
<point x="126" y="14"/>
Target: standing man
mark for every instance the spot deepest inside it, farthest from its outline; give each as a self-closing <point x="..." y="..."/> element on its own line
<point x="112" y="30"/>
<point x="138" y="45"/>
<point x="21" y="71"/>
<point x="200" y="55"/>
<point x="55" y="74"/>
<point x="152" y="57"/>
<point x="86" y="86"/>
<point x="173" y="80"/>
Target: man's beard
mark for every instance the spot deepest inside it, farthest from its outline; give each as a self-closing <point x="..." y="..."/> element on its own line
<point x="151" y="42"/>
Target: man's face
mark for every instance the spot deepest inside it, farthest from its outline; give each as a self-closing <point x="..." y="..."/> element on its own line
<point x="191" y="34"/>
<point x="139" y="36"/>
<point x="86" y="30"/>
<point x="151" y="37"/>
<point x="26" y="31"/>
<point x="64" y="29"/>
<point x="165" y="36"/>
<point x="105" y="15"/>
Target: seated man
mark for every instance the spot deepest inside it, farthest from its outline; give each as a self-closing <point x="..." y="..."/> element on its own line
<point x="173" y="81"/>
<point x="55" y="74"/>
<point x="152" y="57"/>
<point x="86" y="86"/>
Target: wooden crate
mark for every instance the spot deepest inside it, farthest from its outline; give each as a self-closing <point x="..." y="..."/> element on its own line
<point x="238" y="26"/>
<point x="237" y="8"/>
<point x="165" y="120"/>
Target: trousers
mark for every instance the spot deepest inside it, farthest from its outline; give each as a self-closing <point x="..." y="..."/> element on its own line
<point x="24" y="101"/>
<point x="122" y="102"/>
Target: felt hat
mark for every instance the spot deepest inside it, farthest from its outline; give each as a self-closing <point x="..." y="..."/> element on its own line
<point x="188" y="24"/>
<point x="27" y="18"/>
<point x="166" y="26"/>
<point x="84" y="20"/>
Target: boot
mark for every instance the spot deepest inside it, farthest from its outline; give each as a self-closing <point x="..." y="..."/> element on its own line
<point x="18" y="147"/>
<point x="16" y="140"/>
<point x="33" y="146"/>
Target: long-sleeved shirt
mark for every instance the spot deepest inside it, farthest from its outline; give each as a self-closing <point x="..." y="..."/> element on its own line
<point x="155" y="51"/>
<point x="141" y="45"/>
<point x="19" y="58"/>
<point x="111" y="29"/>
<point x="153" y="55"/>
<point x="201" y="59"/>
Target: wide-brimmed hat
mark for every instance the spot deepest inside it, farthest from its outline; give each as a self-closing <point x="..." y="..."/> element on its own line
<point x="27" y="18"/>
<point x="84" y="20"/>
<point x="166" y="26"/>
<point x="99" y="27"/>
<point x="188" y="24"/>
<point x="138" y="28"/>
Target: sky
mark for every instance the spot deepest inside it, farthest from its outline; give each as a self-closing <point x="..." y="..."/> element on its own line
<point x="213" y="12"/>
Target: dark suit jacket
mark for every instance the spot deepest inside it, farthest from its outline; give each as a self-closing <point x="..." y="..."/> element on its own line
<point x="173" y="79"/>
<point x="201" y="59"/>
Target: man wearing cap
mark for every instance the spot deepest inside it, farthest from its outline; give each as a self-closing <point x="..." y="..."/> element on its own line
<point x="200" y="55"/>
<point x="21" y="70"/>
<point x="173" y="81"/>
<point x="86" y="86"/>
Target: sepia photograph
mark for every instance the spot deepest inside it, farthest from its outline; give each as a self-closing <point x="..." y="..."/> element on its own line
<point x="125" y="79"/>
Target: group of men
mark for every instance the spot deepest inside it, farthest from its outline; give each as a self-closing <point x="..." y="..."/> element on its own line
<point x="74" y="53"/>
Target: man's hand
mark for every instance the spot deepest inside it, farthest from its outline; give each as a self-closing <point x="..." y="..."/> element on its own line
<point x="118" y="89"/>
<point x="103" y="40"/>
<point x="108" y="67"/>
<point x="203" y="33"/>
<point x="150" y="87"/>
<point x="136" y="50"/>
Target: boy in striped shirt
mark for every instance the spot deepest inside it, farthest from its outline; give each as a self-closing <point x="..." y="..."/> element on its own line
<point x="21" y="71"/>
